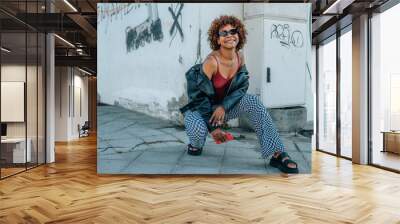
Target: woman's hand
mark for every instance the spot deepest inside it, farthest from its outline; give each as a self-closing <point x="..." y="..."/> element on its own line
<point x="217" y="118"/>
<point x="218" y="135"/>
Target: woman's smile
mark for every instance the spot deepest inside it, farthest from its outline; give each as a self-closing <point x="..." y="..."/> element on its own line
<point x="231" y="41"/>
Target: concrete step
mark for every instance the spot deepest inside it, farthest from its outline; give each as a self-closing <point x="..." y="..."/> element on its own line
<point x="290" y="119"/>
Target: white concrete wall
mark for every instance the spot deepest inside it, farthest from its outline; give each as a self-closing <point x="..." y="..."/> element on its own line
<point x="61" y="103"/>
<point x="79" y="117"/>
<point x="254" y="53"/>
<point x="151" y="79"/>
<point x="260" y="52"/>
<point x="67" y="80"/>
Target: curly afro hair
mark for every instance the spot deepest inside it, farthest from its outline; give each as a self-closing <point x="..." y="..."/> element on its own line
<point x="222" y="21"/>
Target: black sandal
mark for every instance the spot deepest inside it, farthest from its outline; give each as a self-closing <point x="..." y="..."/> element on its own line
<point x="283" y="165"/>
<point x="194" y="151"/>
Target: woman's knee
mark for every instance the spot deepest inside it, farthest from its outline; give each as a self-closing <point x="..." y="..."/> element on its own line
<point x="195" y="123"/>
<point x="253" y="103"/>
<point x="250" y="99"/>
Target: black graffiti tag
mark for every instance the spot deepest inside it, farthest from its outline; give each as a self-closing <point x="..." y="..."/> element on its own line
<point x="297" y="39"/>
<point x="176" y="26"/>
<point x="149" y="30"/>
<point x="287" y="38"/>
<point x="115" y="10"/>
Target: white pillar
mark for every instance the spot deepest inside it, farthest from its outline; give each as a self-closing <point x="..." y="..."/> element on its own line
<point x="50" y="91"/>
<point x="50" y="110"/>
<point x="360" y="90"/>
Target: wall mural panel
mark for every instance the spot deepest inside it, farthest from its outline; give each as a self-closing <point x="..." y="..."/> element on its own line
<point x="144" y="53"/>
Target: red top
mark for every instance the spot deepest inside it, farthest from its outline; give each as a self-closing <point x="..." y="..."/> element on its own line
<point x="221" y="83"/>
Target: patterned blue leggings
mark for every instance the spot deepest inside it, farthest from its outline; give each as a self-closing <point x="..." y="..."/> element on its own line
<point x="249" y="105"/>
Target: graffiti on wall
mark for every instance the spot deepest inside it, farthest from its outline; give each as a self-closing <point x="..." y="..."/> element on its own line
<point x="286" y="37"/>
<point x="107" y="13"/>
<point x="176" y="13"/>
<point x="146" y="32"/>
<point x="198" y="53"/>
<point x="114" y="11"/>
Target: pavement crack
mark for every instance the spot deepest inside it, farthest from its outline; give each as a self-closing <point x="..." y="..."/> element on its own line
<point x="170" y="134"/>
<point x="108" y="122"/>
<point x="154" y="142"/>
<point x="165" y="127"/>
<point x="113" y="147"/>
<point x="127" y="126"/>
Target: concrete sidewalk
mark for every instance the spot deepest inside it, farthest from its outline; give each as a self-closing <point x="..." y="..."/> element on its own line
<point x="134" y="143"/>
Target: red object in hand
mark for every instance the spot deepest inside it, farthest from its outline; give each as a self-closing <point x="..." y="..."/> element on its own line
<point x="228" y="136"/>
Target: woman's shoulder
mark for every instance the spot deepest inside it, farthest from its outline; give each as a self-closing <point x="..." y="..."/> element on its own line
<point x="211" y="58"/>
<point x="210" y="65"/>
<point x="241" y="56"/>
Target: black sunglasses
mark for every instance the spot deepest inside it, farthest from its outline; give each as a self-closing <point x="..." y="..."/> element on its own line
<point x="227" y="32"/>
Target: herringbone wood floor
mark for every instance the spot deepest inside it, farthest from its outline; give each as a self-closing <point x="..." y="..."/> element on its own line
<point x="70" y="191"/>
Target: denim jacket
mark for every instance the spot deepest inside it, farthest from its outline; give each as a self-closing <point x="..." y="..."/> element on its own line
<point x="201" y="92"/>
